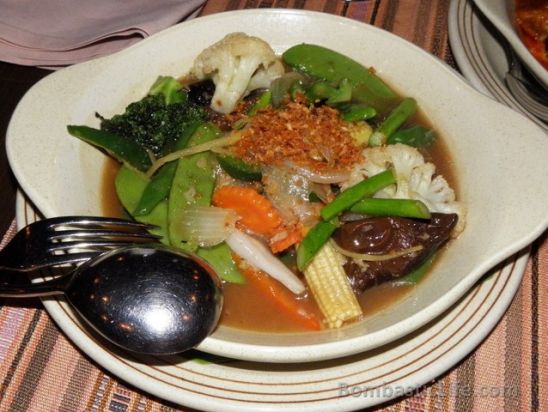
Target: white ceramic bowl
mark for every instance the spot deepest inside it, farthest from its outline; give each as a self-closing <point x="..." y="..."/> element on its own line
<point x="500" y="13"/>
<point x="499" y="159"/>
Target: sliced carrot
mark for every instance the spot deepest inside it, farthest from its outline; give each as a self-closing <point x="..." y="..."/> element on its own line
<point x="287" y="303"/>
<point x="294" y="236"/>
<point x="255" y="211"/>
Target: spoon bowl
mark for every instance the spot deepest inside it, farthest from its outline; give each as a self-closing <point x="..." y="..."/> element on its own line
<point x="145" y="299"/>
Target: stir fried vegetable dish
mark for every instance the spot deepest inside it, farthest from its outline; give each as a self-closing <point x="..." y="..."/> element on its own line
<point x="303" y="177"/>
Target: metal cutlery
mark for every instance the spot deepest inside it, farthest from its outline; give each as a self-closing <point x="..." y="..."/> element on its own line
<point x="67" y="240"/>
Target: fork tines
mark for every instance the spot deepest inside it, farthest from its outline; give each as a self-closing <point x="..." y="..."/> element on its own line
<point x="95" y="233"/>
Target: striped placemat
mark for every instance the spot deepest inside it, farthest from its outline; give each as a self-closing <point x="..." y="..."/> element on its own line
<point x="40" y="370"/>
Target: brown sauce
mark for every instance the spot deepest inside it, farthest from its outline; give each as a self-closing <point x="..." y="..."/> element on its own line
<point x="110" y="205"/>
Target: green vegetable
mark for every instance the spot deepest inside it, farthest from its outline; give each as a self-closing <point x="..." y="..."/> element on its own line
<point x="156" y="121"/>
<point x="129" y="188"/>
<point x="415" y="136"/>
<point x="123" y="150"/>
<point x="220" y="258"/>
<point x="417" y="274"/>
<point x="347" y="198"/>
<point x="288" y="83"/>
<point x="399" y="116"/>
<point x="156" y="190"/>
<point x="261" y="103"/>
<point x="193" y="183"/>
<point x="357" y="112"/>
<point x="314" y="198"/>
<point x="322" y="63"/>
<point x="392" y="207"/>
<point x="170" y="89"/>
<point x="321" y="90"/>
<point x="313" y="241"/>
<point x="239" y="169"/>
<point x="160" y="184"/>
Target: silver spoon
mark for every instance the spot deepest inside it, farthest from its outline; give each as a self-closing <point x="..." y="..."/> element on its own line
<point x="145" y="299"/>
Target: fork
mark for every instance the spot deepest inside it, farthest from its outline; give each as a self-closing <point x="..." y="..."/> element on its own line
<point x="533" y="97"/>
<point x="68" y="240"/>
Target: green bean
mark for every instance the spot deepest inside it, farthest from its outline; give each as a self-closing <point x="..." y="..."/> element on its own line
<point x="392" y="207"/>
<point x="313" y="241"/>
<point x="416" y="136"/>
<point x="399" y="116"/>
<point x="347" y="198"/>
<point x="417" y="274"/>
<point x="124" y="150"/>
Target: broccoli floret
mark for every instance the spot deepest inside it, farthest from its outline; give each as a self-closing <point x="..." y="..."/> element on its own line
<point x="155" y="122"/>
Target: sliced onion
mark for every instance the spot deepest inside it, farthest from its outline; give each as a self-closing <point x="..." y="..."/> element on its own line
<point x="258" y="255"/>
<point x="377" y="258"/>
<point x="206" y="225"/>
<point x="334" y="176"/>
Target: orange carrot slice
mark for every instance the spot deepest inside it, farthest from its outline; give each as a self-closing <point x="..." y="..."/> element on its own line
<point x="294" y="236"/>
<point x="287" y="303"/>
<point x="255" y="211"/>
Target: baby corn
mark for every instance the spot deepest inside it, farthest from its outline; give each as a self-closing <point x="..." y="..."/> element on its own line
<point x="331" y="288"/>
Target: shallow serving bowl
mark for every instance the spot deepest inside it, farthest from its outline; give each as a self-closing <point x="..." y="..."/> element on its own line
<point x="501" y="14"/>
<point x="499" y="159"/>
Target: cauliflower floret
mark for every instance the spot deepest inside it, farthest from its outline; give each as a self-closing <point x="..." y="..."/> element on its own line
<point x="415" y="179"/>
<point x="237" y="64"/>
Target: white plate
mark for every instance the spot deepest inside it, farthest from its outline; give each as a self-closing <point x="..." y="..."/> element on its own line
<point x="480" y="55"/>
<point x="344" y="384"/>
<point x="62" y="175"/>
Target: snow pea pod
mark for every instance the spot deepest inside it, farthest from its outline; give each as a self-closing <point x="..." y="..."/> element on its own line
<point x="160" y="184"/>
<point x="129" y="186"/>
<point x="220" y="258"/>
<point x="192" y="185"/>
<point x="124" y="150"/>
<point x="333" y="67"/>
<point x="347" y="198"/>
